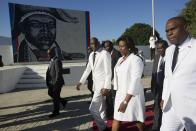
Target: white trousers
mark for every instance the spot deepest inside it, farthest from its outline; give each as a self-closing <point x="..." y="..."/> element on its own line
<point x="98" y="110"/>
<point x="171" y="122"/>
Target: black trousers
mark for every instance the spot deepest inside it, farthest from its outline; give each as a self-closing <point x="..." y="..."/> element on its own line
<point x="152" y="53"/>
<point x="54" y="93"/>
<point x="157" y="113"/>
<point x="90" y="84"/>
<point x="110" y="99"/>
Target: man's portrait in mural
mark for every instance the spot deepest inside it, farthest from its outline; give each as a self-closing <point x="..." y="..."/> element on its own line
<point x="38" y="26"/>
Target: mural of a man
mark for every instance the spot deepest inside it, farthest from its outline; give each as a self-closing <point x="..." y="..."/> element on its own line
<point x="38" y="25"/>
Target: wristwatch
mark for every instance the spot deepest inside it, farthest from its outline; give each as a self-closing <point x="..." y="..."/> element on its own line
<point x="125" y="102"/>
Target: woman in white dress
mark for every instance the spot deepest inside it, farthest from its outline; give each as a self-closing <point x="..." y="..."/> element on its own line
<point x="129" y="101"/>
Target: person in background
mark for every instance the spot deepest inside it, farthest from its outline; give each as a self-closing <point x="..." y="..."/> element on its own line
<point x="129" y="101"/>
<point x="157" y="82"/>
<point x="179" y="89"/>
<point x="1" y="61"/>
<point x="115" y="54"/>
<point x="100" y="65"/>
<point x="54" y="82"/>
<point x="152" y="42"/>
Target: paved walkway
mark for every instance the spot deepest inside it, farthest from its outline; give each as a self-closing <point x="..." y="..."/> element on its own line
<point x="28" y="110"/>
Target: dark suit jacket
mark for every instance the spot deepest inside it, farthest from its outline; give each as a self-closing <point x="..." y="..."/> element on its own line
<point x="157" y="85"/>
<point x="54" y="78"/>
<point x="115" y="56"/>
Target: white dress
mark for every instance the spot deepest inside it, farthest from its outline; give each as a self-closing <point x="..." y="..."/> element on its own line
<point x="127" y="80"/>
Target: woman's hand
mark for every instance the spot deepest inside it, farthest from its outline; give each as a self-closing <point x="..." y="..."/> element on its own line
<point x="123" y="106"/>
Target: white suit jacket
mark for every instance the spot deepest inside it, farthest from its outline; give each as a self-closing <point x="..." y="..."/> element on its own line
<point x="101" y="70"/>
<point x="130" y="79"/>
<point x="179" y="89"/>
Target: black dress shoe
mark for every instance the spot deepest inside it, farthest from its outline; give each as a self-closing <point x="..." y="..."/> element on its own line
<point x="155" y="130"/>
<point x="53" y="115"/>
<point x="106" y="129"/>
<point x="64" y="103"/>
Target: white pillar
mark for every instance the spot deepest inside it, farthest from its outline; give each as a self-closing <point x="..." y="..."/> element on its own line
<point x="153" y="19"/>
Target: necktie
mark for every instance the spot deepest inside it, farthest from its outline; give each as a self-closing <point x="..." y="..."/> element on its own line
<point x="175" y="57"/>
<point x="160" y="65"/>
<point x="160" y="70"/>
<point x="50" y="64"/>
<point x="94" y="55"/>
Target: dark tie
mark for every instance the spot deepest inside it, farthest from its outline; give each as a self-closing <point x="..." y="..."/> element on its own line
<point x="175" y="58"/>
<point x="160" y="72"/>
<point x="161" y="65"/>
<point x="94" y="55"/>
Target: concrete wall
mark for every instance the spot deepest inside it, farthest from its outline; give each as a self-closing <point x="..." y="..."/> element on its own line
<point x="32" y="76"/>
<point x="145" y="49"/>
<point x="6" y="50"/>
<point x="9" y="76"/>
<point x="74" y="76"/>
<point x="7" y="54"/>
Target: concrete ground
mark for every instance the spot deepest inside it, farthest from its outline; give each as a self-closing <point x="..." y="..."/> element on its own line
<point x="28" y="110"/>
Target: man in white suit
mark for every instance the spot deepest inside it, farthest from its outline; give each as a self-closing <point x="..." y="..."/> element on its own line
<point x="100" y="65"/>
<point x="179" y="90"/>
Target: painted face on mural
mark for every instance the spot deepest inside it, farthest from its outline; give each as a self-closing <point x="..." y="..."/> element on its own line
<point x="40" y="30"/>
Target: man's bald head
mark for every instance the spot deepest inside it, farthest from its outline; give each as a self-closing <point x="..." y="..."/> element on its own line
<point x="181" y="20"/>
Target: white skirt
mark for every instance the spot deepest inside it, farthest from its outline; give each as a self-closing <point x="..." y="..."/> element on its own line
<point x="135" y="108"/>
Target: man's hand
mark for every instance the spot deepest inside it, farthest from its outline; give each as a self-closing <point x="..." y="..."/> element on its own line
<point x="161" y="104"/>
<point x="78" y="86"/>
<point x="104" y="91"/>
<point x="122" y="108"/>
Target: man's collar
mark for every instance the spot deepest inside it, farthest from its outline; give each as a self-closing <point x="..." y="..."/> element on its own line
<point x="185" y="43"/>
<point x="98" y="50"/>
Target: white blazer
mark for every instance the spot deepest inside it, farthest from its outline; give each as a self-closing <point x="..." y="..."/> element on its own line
<point x="130" y="79"/>
<point x="101" y="70"/>
<point x="179" y="89"/>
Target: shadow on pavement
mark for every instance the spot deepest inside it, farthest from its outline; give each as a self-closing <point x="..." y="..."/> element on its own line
<point x="75" y="114"/>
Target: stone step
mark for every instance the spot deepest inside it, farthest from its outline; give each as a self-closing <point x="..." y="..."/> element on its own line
<point x="33" y="86"/>
<point x="33" y="76"/>
<point x="31" y="81"/>
<point x="34" y="73"/>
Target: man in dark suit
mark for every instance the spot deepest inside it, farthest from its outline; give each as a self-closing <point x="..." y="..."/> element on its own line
<point x="157" y="82"/>
<point x="1" y="61"/>
<point x="54" y="81"/>
<point x="115" y="54"/>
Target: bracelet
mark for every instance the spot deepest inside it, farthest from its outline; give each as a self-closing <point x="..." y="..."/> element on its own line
<point x="125" y="102"/>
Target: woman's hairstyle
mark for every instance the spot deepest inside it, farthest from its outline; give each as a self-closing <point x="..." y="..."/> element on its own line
<point x="108" y="41"/>
<point x="129" y="43"/>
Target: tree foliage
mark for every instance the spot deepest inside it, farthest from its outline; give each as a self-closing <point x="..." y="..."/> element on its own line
<point x="140" y="33"/>
<point x="114" y="41"/>
<point x="189" y="12"/>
